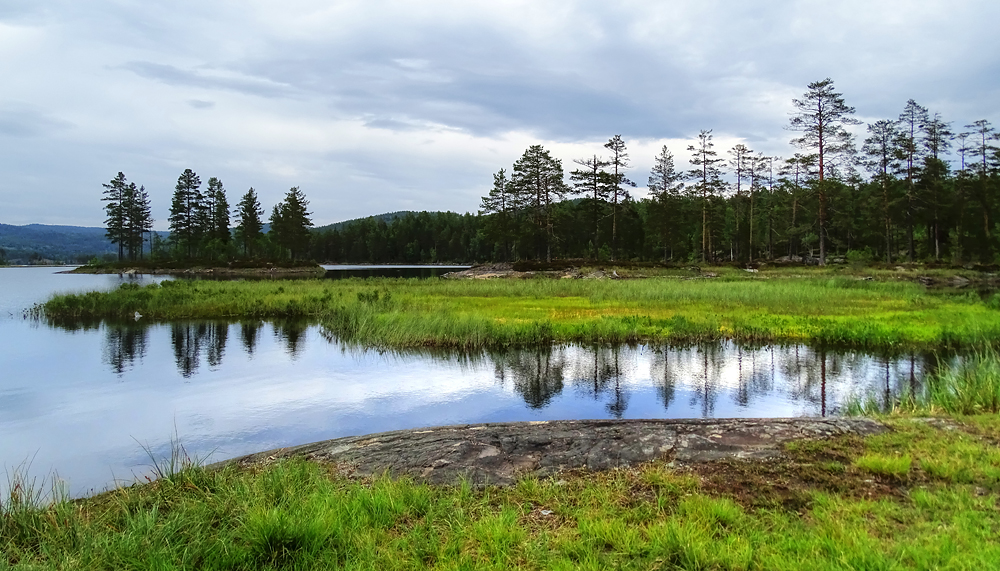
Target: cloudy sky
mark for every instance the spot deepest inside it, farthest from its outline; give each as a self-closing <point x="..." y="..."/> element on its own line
<point x="374" y="106"/>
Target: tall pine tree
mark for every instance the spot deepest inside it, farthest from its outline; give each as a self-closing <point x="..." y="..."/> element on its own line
<point x="707" y="178"/>
<point x="249" y="223"/>
<point x="187" y="213"/>
<point x="665" y="187"/>
<point x="820" y="116"/>
<point x="115" y="223"/>
<point x="290" y="223"/>
<point x="537" y="179"/>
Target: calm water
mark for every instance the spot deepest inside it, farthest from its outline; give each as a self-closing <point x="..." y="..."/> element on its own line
<point x="86" y="402"/>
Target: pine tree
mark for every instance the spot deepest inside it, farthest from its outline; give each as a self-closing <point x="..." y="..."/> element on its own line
<point x="537" y="179"/>
<point x="983" y="151"/>
<point x="796" y="172"/>
<point x="758" y="164"/>
<point x="187" y="213"/>
<point x="911" y="121"/>
<point x="249" y="223"/>
<point x="936" y="140"/>
<point x="740" y="167"/>
<point x="665" y="186"/>
<point x="821" y="115"/>
<point x="594" y="183"/>
<point x="139" y="219"/>
<point x="882" y="159"/>
<point x="217" y="207"/>
<point x="708" y="182"/>
<point x="290" y="222"/>
<point x="500" y="205"/>
<point x="114" y="195"/>
<point x="620" y="163"/>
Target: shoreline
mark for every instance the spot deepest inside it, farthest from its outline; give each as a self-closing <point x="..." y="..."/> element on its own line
<point x="272" y="271"/>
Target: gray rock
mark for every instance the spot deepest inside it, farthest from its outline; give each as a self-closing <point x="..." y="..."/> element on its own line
<point x="500" y="453"/>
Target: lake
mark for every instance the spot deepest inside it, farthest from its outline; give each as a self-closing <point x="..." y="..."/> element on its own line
<point x="92" y="404"/>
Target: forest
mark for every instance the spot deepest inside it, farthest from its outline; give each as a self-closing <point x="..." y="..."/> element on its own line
<point x="914" y="189"/>
<point x="893" y="197"/>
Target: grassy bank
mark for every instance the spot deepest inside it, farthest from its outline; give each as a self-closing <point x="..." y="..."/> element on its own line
<point x="923" y="496"/>
<point x="495" y="313"/>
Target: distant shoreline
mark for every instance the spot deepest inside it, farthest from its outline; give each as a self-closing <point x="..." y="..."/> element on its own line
<point x="310" y="270"/>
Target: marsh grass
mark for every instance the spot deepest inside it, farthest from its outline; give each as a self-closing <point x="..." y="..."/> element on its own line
<point x="473" y="314"/>
<point x="962" y="387"/>
<point x="859" y="505"/>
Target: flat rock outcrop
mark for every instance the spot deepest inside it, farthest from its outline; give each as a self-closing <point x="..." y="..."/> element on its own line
<point x="499" y="453"/>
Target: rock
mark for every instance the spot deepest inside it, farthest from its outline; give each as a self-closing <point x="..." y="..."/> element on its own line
<point x="500" y="453"/>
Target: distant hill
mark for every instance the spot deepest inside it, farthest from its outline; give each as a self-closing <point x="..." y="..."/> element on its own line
<point x="387" y="217"/>
<point x="41" y="242"/>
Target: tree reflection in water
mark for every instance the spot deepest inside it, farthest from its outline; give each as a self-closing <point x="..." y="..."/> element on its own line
<point x="689" y="380"/>
<point x="123" y="344"/>
<point x="537" y="374"/>
<point x="250" y="335"/>
<point x="602" y="373"/>
<point x="292" y="333"/>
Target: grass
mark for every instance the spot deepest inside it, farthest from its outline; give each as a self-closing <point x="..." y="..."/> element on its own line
<point x="968" y="386"/>
<point x="472" y="314"/>
<point x="919" y="497"/>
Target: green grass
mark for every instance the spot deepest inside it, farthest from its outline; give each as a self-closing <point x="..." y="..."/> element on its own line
<point x="969" y="386"/>
<point x="918" y="497"/>
<point x="473" y="314"/>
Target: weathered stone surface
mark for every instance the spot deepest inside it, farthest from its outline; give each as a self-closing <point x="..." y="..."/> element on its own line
<point x="499" y="453"/>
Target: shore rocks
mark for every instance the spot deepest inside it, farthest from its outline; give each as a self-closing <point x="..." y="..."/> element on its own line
<point x="499" y="453"/>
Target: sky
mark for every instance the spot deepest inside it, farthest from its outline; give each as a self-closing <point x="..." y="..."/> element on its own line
<point x="376" y="106"/>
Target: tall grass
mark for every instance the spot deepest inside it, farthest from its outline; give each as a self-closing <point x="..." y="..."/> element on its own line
<point x="295" y="514"/>
<point x="497" y="313"/>
<point x="966" y="386"/>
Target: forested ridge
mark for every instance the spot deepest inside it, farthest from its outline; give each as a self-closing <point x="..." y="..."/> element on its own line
<point x="913" y="188"/>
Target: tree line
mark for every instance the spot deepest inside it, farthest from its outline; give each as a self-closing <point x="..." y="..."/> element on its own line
<point x="200" y="223"/>
<point x="750" y="206"/>
<point x="894" y="196"/>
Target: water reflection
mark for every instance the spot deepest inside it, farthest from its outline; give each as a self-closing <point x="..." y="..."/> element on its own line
<point x="249" y="335"/>
<point x="536" y="374"/>
<point x="123" y="346"/>
<point x="292" y="334"/>
<point x="692" y="377"/>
